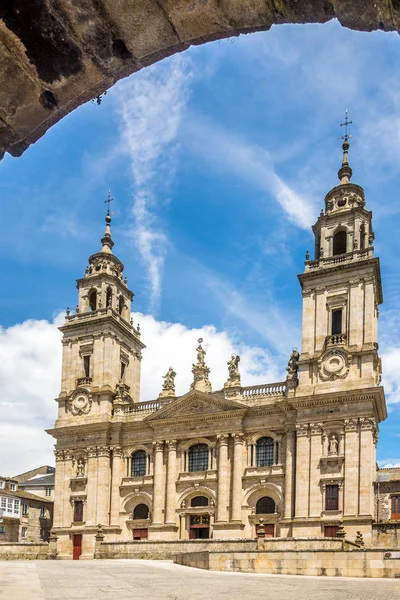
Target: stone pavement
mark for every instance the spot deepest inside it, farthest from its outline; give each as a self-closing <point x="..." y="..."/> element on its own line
<point x="162" y="580"/>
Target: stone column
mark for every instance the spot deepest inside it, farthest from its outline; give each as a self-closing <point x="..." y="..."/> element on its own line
<point x="308" y="322"/>
<point x="159" y="489"/>
<point x="369" y="311"/>
<point x="237" y="477"/>
<point x="67" y="512"/>
<point x="355" y="316"/>
<point x="315" y="498"/>
<point x="59" y="490"/>
<point x="302" y="469"/>
<point x="367" y="466"/>
<point x="223" y="490"/>
<point x="351" y="463"/>
<point x="289" y="475"/>
<point x="115" y="483"/>
<point x="321" y="323"/>
<point x="91" y="486"/>
<point x="103" y="485"/>
<point x="170" y="515"/>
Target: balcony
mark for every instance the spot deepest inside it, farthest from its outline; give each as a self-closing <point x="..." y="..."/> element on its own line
<point x="197" y="476"/>
<point x="337" y="339"/>
<point x="84" y="381"/>
<point x="331" y="261"/>
<point x="264" y="391"/>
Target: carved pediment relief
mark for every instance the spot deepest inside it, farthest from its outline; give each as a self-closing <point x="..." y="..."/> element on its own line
<point x="196" y="404"/>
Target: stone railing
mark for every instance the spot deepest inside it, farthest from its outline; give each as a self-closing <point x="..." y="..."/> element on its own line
<point x="142" y="407"/>
<point x="330" y="261"/>
<point x="265" y="390"/>
<point x="337" y="339"/>
<point x="84" y="381"/>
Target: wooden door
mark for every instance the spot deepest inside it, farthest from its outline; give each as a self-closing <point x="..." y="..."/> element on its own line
<point x="395" y="514"/>
<point x="269" y="529"/>
<point x="140" y="534"/>
<point x="77" y="546"/>
<point x="330" y="530"/>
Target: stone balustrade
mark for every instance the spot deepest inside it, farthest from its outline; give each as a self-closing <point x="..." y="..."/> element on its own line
<point x="264" y="390"/>
<point x="330" y="261"/>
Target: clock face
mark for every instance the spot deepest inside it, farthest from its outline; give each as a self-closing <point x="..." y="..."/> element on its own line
<point x="80" y="404"/>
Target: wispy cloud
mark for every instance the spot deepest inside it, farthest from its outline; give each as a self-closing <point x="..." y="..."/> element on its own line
<point x="150" y="106"/>
<point x="228" y="152"/>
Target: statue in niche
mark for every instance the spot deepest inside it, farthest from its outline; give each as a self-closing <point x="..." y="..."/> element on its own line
<point x="80" y="468"/>
<point x="293" y="364"/>
<point x="169" y="380"/>
<point x="333" y="444"/>
<point x="233" y="369"/>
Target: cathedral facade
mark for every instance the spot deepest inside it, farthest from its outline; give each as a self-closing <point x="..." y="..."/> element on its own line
<point x="297" y="456"/>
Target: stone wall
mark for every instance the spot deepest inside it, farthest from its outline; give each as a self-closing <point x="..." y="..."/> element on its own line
<point x="386" y="535"/>
<point x="167" y="550"/>
<point x="21" y="551"/>
<point x="353" y="563"/>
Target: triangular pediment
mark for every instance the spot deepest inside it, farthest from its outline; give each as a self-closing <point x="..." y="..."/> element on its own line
<point x="197" y="404"/>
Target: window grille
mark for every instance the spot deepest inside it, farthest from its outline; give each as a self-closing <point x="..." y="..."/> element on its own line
<point x="139" y="459"/>
<point x="265" y="506"/>
<point x="332" y="497"/>
<point x="141" y="511"/>
<point x="78" y="511"/>
<point x="198" y="458"/>
<point x="265" y="452"/>
<point x="199" y="501"/>
<point x="48" y="491"/>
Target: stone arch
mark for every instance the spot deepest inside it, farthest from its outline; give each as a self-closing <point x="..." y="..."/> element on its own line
<point x="258" y="490"/>
<point x="340" y="240"/>
<point x="201" y="490"/>
<point x="257" y="436"/>
<point x="60" y="64"/>
<point x="133" y="499"/>
<point x="184" y="446"/>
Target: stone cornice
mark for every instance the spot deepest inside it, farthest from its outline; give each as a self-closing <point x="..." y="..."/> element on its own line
<point x="323" y="272"/>
<point x="79" y="324"/>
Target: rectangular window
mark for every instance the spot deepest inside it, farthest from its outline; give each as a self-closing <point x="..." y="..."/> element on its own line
<point x="3" y="503"/>
<point x="24" y="532"/>
<point x="395" y="513"/>
<point x="16" y="507"/>
<point x="24" y="508"/>
<point x="2" y="529"/>
<point x="86" y="365"/>
<point x="13" y="487"/>
<point x="1" y="484"/>
<point x="337" y="321"/>
<point x="332" y="497"/>
<point x="78" y="511"/>
<point x="123" y="367"/>
<point x="48" y="491"/>
<point x="43" y="512"/>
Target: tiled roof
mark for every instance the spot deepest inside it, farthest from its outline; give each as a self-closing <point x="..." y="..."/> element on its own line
<point x="388" y="474"/>
<point x="38" y="481"/>
<point x="24" y="495"/>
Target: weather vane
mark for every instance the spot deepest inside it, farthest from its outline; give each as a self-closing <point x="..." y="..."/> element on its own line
<point x="109" y="199"/>
<point x="346" y="123"/>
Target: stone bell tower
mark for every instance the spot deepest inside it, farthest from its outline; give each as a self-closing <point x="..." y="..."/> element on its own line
<point x="101" y="347"/>
<point x="341" y="290"/>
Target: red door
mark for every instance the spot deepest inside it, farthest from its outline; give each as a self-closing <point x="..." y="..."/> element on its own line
<point x="330" y="530"/>
<point x="269" y="529"/>
<point x="395" y="508"/>
<point x="77" y="542"/>
<point x="140" y="534"/>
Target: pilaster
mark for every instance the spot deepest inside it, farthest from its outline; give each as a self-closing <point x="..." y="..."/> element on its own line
<point x="67" y="514"/>
<point x="222" y="488"/>
<point x="170" y="515"/>
<point x="159" y="485"/>
<point x="302" y="470"/>
<point x="289" y="473"/>
<point x="91" y="486"/>
<point x="351" y="468"/>
<point x="59" y="489"/>
<point x="115" y="483"/>
<point x="237" y="477"/>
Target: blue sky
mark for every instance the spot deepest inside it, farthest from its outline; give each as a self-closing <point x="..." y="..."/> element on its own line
<point x="218" y="160"/>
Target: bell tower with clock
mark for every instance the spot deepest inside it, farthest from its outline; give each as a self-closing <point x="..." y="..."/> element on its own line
<point x="341" y="290"/>
<point x="101" y="362"/>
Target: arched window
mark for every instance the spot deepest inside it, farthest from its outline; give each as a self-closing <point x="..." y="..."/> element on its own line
<point x="265" y="506"/>
<point x="139" y="459"/>
<point x="265" y="452"/>
<point x="109" y="297"/>
<point x="141" y="511"/>
<point x="121" y="304"/>
<point x="198" y="458"/>
<point x="93" y="300"/>
<point x="339" y="243"/>
<point x="199" y="501"/>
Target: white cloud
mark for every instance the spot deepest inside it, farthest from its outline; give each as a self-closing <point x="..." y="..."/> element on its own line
<point x="230" y="153"/>
<point x="391" y="374"/>
<point x="150" y="107"/>
<point x="30" y="372"/>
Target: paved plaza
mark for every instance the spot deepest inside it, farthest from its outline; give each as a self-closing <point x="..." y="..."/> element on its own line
<point x="162" y="580"/>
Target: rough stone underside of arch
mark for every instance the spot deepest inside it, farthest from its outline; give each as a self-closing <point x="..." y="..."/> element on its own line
<point x="54" y="56"/>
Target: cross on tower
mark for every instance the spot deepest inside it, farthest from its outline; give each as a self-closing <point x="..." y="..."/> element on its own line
<point x="109" y="199"/>
<point x="346" y="123"/>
